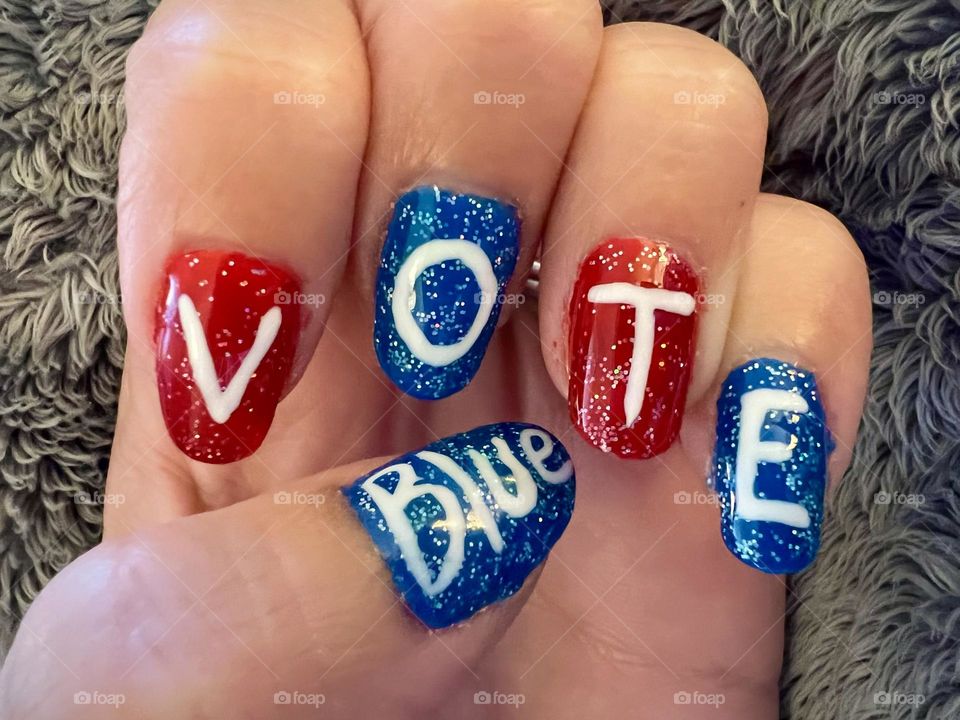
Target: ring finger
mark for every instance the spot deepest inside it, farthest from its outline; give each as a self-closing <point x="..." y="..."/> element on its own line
<point x="661" y="180"/>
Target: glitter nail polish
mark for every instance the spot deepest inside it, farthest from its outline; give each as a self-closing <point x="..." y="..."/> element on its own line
<point x="464" y="521"/>
<point x="632" y="334"/>
<point x="226" y="332"/>
<point x="445" y="262"/>
<point x="770" y="465"/>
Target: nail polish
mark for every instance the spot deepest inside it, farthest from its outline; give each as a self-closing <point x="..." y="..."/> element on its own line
<point x="464" y="521"/>
<point x="770" y="465"/>
<point x="632" y="334"/>
<point x="445" y="262"/>
<point x="227" y="328"/>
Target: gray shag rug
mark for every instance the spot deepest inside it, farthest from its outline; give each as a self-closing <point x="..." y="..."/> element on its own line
<point x="864" y="98"/>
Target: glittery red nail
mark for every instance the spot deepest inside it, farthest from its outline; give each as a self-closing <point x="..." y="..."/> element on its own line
<point x="227" y="329"/>
<point x="632" y="333"/>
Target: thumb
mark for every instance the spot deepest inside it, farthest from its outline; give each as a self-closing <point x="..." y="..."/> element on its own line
<point x="286" y="599"/>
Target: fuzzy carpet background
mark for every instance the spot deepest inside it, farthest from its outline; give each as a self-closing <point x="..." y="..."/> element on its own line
<point x="864" y="98"/>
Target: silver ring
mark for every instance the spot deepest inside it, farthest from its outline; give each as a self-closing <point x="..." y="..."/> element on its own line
<point x="533" y="280"/>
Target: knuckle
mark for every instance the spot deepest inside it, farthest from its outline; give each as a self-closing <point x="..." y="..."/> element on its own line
<point x="551" y="23"/>
<point x="209" y="60"/>
<point x="200" y="42"/>
<point x="556" y="41"/>
<point x="826" y="233"/>
<point x="701" y="70"/>
<point x="557" y="36"/>
<point x="832" y="264"/>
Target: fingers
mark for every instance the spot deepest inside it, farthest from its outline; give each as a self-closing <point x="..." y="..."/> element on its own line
<point x="797" y="355"/>
<point x="664" y="279"/>
<point x="303" y="592"/>
<point x="238" y="176"/>
<point x="659" y="185"/>
<point x="473" y="108"/>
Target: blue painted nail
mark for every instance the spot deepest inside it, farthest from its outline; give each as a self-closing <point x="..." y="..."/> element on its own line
<point x="770" y="465"/>
<point x="445" y="263"/>
<point x="463" y="522"/>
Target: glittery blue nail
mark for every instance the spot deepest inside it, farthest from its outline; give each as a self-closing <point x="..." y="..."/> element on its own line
<point x="464" y="521"/>
<point x="445" y="263"/>
<point x="770" y="465"/>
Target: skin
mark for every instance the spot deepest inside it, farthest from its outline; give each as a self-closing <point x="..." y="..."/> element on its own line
<point x="206" y="597"/>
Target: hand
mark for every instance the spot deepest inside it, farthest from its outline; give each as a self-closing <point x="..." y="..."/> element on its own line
<point x="234" y="579"/>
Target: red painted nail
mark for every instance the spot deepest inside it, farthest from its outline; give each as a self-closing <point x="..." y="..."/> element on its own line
<point x="226" y="335"/>
<point x="632" y="333"/>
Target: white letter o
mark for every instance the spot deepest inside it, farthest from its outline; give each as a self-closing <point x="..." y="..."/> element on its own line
<point x="404" y="298"/>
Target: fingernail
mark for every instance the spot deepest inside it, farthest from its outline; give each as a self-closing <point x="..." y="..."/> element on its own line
<point x="770" y="465"/>
<point x="226" y="336"/>
<point x="632" y="334"/>
<point x="445" y="263"/>
<point x="465" y="520"/>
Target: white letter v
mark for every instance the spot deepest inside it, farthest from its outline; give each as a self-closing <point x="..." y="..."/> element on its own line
<point x="221" y="403"/>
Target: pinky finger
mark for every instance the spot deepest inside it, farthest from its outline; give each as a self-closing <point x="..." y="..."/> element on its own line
<point x="795" y="369"/>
